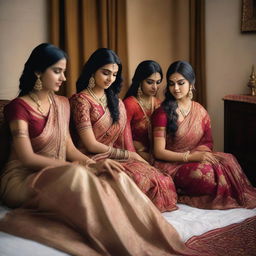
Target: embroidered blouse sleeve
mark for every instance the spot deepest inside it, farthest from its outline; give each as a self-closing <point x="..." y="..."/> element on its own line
<point x="16" y="111"/>
<point x="129" y="106"/>
<point x="80" y="111"/>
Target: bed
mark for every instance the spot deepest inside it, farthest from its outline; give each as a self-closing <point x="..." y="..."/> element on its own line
<point x="217" y="232"/>
<point x="200" y="229"/>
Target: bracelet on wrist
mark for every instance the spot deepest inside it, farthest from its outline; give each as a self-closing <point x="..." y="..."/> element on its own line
<point x="119" y="154"/>
<point x="185" y="156"/>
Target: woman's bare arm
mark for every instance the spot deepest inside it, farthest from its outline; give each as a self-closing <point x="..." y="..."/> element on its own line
<point x="23" y="148"/>
<point x="160" y="151"/>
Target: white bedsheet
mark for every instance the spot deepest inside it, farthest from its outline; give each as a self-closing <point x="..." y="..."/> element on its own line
<point x="190" y="221"/>
<point x="187" y="220"/>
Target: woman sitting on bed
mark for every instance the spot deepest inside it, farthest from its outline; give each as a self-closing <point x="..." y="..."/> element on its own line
<point x="100" y="122"/>
<point x="84" y="208"/>
<point x="183" y="149"/>
<point x="140" y="102"/>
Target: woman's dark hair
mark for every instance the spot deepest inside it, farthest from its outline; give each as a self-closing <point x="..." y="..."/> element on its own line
<point x="98" y="59"/>
<point x="42" y="57"/>
<point x="169" y="104"/>
<point x="144" y="70"/>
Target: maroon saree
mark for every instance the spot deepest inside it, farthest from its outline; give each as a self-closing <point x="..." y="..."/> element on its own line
<point x="86" y="113"/>
<point x="203" y="185"/>
<point x="71" y="209"/>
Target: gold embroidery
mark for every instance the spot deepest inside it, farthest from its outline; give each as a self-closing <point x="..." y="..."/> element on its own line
<point x="159" y="132"/>
<point x="222" y="180"/>
<point x="196" y="174"/>
<point x="209" y="177"/>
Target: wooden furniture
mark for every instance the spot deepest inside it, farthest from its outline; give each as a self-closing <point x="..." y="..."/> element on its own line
<point x="240" y="131"/>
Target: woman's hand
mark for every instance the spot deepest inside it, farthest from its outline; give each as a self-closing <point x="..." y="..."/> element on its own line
<point x="205" y="157"/>
<point x="136" y="156"/>
<point x="107" y="166"/>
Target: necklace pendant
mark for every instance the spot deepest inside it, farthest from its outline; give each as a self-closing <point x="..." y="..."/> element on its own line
<point x="35" y="98"/>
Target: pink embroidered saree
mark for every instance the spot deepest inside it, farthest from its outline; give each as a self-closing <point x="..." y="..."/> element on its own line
<point x="86" y="113"/>
<point x="203" y="185"/>
<point x="71" y="209"/>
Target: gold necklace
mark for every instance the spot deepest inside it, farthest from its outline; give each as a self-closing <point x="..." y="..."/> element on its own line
<point x="35" y="98"/>
<point x="102" y="101"/>
<point x="184" y="112"/>
<point x="146" y="106"/>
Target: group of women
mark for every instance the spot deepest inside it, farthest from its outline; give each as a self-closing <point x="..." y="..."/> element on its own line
<point x="97" y="171"/>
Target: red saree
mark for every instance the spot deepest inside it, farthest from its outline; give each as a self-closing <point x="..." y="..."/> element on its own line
<point x="139" y="121"/>
<point x="86" y="113"/>
<point x="203" y="185"/>
<point x="71" y="209"/>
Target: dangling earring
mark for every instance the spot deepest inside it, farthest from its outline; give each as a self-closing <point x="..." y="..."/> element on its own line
<point x="139" y="92"/>
<point x="91" y="82"/>
<point x="38" y="84"/>
<point x="190" y="93"/>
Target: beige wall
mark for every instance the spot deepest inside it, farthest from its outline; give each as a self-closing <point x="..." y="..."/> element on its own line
<point x="229" y="57"/>
<point x="22" y="26"/>
<point x="155" y="32"/>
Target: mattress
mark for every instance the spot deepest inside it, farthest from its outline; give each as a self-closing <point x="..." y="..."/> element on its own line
<point x="188" y="221"/>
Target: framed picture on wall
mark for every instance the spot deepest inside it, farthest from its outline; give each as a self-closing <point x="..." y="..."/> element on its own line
<point x="248" y="16"/>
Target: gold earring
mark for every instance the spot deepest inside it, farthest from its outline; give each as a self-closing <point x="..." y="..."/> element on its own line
<point x="38" y="84"/>
<point x="139" y="92"/>
<point x="91" y="82"/>
<point x="190" y="93"/>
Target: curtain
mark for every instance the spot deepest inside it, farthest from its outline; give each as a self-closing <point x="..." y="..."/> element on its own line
<point x="79" y="27"/>
<point x="197" y="47"/>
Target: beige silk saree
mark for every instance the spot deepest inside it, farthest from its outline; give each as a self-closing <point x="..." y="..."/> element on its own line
<point x="71" y="209"/>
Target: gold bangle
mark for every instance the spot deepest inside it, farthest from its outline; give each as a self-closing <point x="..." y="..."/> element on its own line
<point x="185" y="156"/>
<point x="119" y="154"/>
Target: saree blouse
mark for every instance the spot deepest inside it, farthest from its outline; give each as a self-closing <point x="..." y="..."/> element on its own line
<point x="139" y="120"/>
<point x="18" y="109"/>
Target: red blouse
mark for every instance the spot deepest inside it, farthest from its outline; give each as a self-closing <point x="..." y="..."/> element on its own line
<point x="159" y="118"/>
<point x="18" y="109"/>
<point x="138" y="120"/>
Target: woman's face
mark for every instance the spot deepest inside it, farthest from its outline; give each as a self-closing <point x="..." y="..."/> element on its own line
<point x="150" y="85"/>
<point x="178" y="86"/>
<point x="53" y="76"/>
<point x="106" y="75"/>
